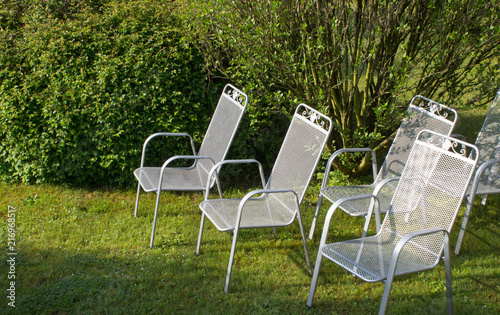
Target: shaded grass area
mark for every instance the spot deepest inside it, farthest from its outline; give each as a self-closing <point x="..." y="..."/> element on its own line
<point x="82" y="251"/>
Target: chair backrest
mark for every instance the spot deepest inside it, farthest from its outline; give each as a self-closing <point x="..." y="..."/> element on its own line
<point x="300" y="151"/>
<point x="430" y="192"/>
<point x="222" y="127"/>
<point x="423" y="114"/>
<point x="488" y="139"/>
<point x="488" y="143"/>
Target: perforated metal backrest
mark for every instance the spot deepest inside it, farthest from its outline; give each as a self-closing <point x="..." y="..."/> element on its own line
<point x="430" y="192"/>
<point x="488" y="139"/>
<point x="222" y="128"/>
<point x="423" y="113"/>
<point x="301" y="150"/>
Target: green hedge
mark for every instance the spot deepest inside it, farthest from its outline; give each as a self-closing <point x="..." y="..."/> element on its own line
<point x="81" y="89"/>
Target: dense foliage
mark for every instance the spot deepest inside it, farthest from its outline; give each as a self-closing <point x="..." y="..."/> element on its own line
<point x="358" y="61"/>
<point x="82" y="84"/>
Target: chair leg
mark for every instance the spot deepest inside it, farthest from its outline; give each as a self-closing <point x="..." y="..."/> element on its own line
<point x="137" y="199"/>
<point x="387" y="293"/>
<point x="154" y="220"/>
<point x="447" y="268"/>
<point x="315" y="218"/>
<point x="465" y="220"/>
<point x="374" y="207"/>
<point x="200" y="234"/>
<point x="231" y="260"/>
<point x="388" y="284"/>
<point x="314" y="281"/>
<point x="484" y="200"/>
<point x="304" y="240"/>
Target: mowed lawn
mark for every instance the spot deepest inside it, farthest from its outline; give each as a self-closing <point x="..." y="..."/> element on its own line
<point x="81" y="251"/>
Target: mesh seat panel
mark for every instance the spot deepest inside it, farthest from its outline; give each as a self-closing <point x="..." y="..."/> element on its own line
<point x="369" y="258"/>
<point x="262" y="212"/>
<point x="173" y="178"/>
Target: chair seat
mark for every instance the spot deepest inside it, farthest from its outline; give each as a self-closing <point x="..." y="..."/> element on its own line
<point x="256" y="212"/>
<point x="369" y="258"/>
<point x="173" y="179"/>
<point x="358" y="207"/>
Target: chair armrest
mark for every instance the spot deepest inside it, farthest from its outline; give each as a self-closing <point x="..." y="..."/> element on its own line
<point x="334" y="207"/>
<point x="348" y="150"/>
<point x="265" y="192"/>
<point x="180" y="157"/>
<point x="402" y="242"/>
<point x="479" y="172"/>
<point x="214" y="171"/>
<point x="164" y="134"/>
<point x="185" y="157"/>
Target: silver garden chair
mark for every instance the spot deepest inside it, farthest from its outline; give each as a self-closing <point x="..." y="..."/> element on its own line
<point x="416" y="228"/>
<point x="278" y="203"/>
<point x="486" y="179"/>
<point x="422" y="113"/>
<point x="215" y="145"/>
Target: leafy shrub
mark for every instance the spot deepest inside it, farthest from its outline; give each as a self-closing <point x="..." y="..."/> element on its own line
<point x="80" y="91"/>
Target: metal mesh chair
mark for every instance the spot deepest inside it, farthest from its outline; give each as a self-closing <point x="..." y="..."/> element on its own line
<point x="419" y="218"/>
<point x="486" y="179"/>
<point x="278" y="204"/>
<point x="215" y="145"/>
<point x="423" y="113"/>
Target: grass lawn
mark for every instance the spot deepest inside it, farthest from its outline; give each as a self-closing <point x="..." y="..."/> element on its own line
<point x="82" y="252"/>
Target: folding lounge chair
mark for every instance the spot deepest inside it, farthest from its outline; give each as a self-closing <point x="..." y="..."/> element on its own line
<point x="423" y="113"/>
<point x="215" y="145"/>
<point x="486" y="179"/>
<point x="278" y="203"/>
<point x="416" y="228"/>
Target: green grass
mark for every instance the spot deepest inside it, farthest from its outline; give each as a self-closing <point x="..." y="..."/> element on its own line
<point x="83" y="252"/>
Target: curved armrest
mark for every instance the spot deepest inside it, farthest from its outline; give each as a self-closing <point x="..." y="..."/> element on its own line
<point x="214" y="171"/>
<point x="334" y="207"/>
<point x="165" y="134"/>
<point x="402" y="242"/>
<point x="348" y="150"/>
<point x="479" y="173"/>
<point x="185" y="157"/>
